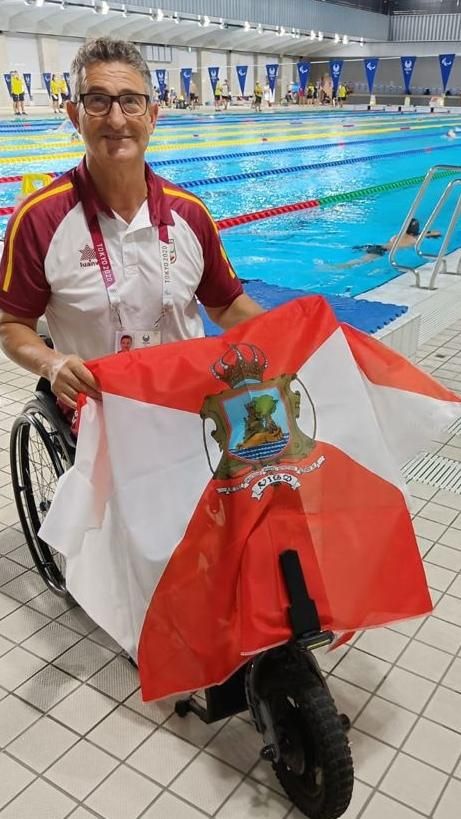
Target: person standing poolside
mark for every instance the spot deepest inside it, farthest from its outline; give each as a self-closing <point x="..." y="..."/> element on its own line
<point x="258" y="96"/>
<point x="55" y="93"/>
<point x="110" y="249"/>
<point x="17" y="93"/>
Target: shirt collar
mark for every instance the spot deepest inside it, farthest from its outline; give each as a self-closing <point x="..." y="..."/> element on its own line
<point x="159" y="211"/>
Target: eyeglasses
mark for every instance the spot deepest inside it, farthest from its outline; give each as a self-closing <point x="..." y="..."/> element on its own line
<point x="100" y="105"/>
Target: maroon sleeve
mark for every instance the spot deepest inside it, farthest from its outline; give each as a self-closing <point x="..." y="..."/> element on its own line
<point x="24" y="290"/>
<point x="220" y="284"/>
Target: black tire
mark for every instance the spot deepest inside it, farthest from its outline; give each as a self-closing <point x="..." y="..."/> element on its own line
<point x="40" y="452"/>
<point x="316" y="768"/>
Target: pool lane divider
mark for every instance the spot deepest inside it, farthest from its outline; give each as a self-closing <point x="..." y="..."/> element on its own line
<point x="248" y="154"/>
<point x="323" y="201"/>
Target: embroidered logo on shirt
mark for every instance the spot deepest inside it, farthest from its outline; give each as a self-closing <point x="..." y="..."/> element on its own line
<point x="172" y="251"/>
<point x="88" y="257"/>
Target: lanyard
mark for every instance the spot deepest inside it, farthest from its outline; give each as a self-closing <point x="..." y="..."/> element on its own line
<point x="110" y="282"/>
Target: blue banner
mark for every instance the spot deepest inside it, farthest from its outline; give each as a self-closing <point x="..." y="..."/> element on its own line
<point x="186" y="76"/>
<point x="303" y="74"/>
<point x="242" y="71"/>
<point x="161" y="79"/>
<point x="336" y="66"/>
<point x="66" y="76"/>
<point x="28" y="83"/>
<point x="47" y="80"/>
<point x="446" y="64"/>
<point x="8" y="82"/>
<point x="213" y="71"/>
<point x="408" y="64"/>
<point x="371" y="65"/>
<point x="272" y="71"/>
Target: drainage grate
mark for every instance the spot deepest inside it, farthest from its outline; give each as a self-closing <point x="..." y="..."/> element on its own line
<point x="436" y="471"/>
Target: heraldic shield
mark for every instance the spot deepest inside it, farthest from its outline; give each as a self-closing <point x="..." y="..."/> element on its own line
<point x="256" y="420"/>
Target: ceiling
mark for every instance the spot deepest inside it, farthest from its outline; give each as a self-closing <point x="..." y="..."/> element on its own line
<point x="77" y="18"/>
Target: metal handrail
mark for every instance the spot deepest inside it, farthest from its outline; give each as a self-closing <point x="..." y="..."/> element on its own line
<point x="440" y="262"/>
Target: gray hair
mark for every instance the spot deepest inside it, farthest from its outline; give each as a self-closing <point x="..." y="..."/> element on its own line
<point x="105" y="50"/>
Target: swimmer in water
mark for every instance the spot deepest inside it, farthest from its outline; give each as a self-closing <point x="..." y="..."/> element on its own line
<point x="409" y="239"/>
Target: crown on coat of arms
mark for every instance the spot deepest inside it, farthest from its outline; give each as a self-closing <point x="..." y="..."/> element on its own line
<point x="240" y="363"/>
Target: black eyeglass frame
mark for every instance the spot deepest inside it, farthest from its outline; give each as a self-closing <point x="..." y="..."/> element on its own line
<point x="114" y="98"/>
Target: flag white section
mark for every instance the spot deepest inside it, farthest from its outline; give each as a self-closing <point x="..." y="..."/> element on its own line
<point x="119" y="514"/>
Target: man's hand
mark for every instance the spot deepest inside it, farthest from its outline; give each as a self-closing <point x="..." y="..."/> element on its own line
<point x="68" y="376"/>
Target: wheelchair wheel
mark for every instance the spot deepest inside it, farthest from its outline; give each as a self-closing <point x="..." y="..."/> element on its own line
<point x="315" y="768"/>
<point x="40" y="452"/>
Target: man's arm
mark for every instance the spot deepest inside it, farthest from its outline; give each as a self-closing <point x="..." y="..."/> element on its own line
<point x="67" y="374"/>
<point x="240" y="309"/>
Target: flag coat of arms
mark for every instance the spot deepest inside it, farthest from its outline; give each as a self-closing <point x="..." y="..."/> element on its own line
<point x="207" y="458"/>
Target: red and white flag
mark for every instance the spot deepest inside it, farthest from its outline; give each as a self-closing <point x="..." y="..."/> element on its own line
<point x="209" y="457"/>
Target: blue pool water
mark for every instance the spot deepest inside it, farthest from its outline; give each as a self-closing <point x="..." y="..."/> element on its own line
<point x="303" y="250"/>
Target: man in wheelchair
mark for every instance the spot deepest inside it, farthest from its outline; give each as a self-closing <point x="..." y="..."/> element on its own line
<point x="110" y="249"/>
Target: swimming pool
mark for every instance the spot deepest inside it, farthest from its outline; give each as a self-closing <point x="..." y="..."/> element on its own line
<point x="280" y="158"/>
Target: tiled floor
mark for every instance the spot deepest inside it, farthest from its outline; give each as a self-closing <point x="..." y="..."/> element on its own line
<point x="77" y="741"/>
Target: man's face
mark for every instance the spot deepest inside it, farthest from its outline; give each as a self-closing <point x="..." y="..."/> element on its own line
<point x="125" y="344"/>
<point x="114" y="137"/>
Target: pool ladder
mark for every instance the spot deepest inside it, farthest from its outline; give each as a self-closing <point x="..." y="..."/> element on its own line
<point x="440" y="264"/>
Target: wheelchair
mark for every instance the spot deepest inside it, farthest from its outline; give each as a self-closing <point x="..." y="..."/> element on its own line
<point x="41" y="449"/>
<point x="283" y="689"/>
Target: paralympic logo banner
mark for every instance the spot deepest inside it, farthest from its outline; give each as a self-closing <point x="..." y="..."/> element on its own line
<point x="8" y="82"/>
<point x="47" y="80"/>
<point x="371" y="65"/>
<point x="186" y="76"/>
<point x="242" y="71"/>
<point x="28" y="83"/>
<point x="272" y="70"/>
<point x="336" y="66"/>
<point x="446" y="64"/>
<point x="213" y="71"/>
<point x="408" y="64"/>
<point x="66" y="76"/>
<point x="303" y="73"/>
<point x="161" y="79"/>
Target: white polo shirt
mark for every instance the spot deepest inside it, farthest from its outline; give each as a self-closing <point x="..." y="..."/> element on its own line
<point x="49" y="264"/>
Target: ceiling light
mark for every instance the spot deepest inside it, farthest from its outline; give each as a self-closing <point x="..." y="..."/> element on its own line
<point x="320" y="35"/>
<point x="175" y="17"/>
<point x="259" y="28"/>
<point x="312" y="34"/>
<point x="282" y="31"/>
<point x="206" y="20"/>
<point x="39" y="3"/>
<point x="246" y="25"/>
<point x="105" y="8"/>
<point x="124" y="10"/>
<point x="160" y="15"/>
<point x="345" y="39"/>
<point x="361" y="41"/>
<point x="337" y="38"/>
<point x="222" y="24"/>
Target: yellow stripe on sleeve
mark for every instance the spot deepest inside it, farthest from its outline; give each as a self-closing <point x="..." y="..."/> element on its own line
<point x="46" y="194"/>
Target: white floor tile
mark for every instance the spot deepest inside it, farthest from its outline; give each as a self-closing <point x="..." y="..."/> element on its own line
<point x="39" y="801"/>
<point x="382" y="807"/>
<point x="17" y="666"/>
<point x="253" y="801"/>
<point x="238" y="744"/>
<point x="445" y="708"/>
<point x="362" y="669"/>
<point x="193" y="729"/>
<point x="406" y="689"/>
<point x="440" y="514"/>
<point x="42" y="744"/>
<point x="440" y="634"/>
<point x="22" y="623"/>
<point x="428" y="528"/>
<point x="413" y="782"/>
<point x="51" y="641"/>
<point x="448" y="807"/>
<point x="449" y="608"/>
<point x="124" y="795"/>
<point x="444" y="556"/>
<point x="425" y="660"/>
<point x="13" y="779"/>
<point x="162" y="757"/>
<point x="452" y="678"/>
<point x="434" y="744"/>
<point x="452" y="538"/>
<point x="46" y="688"/>
<point x="118" y="679"/>
<point x="438" y="577"/>
<point x="121" y="732"/>
<point x="383" y="643"/>
<point x="168" y="806"/>
<point x="348" y="698"/>
<point x="387" y="721"/>
<point x="206" y="783"/>
<point x="83" y="709"/>
<point x="15" y="717"/>
<point x="81" y="769"/>
<point x="371" y="757"/>
<point x="7" y="605"/>
<point x="84" y="659"/>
